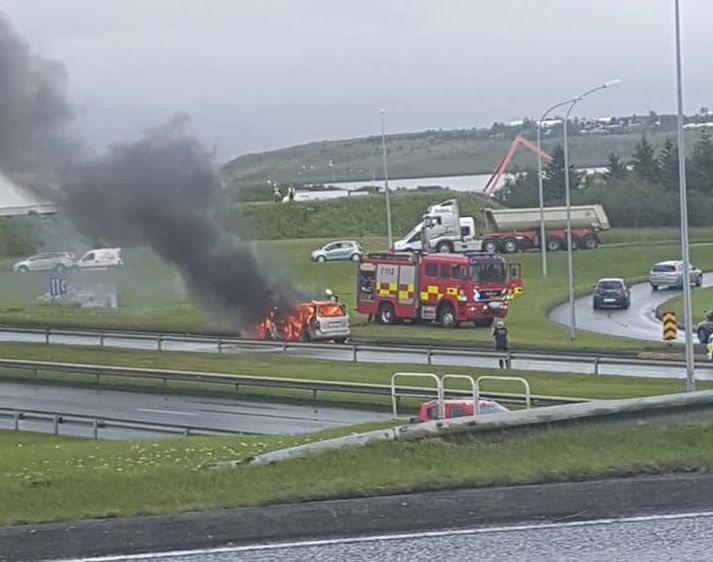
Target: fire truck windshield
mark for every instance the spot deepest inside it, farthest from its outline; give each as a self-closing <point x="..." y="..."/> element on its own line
<point x="487" y="272"/>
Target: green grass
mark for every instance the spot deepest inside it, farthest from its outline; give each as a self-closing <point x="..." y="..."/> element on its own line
<point x="701" y="300"/>
<point x="430" y="153"/>
<point x="559" y="384"/>
<point x="151" y="298"/>
<point x="48" y="478"/>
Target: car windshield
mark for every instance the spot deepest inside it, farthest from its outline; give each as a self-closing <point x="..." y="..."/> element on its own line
<point x="609" y="285"/>
<point x="491" y="408"/>
<point x="663" y="267"/>
<point x="487" y="272"/>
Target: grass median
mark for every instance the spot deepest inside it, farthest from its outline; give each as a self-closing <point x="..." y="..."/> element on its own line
<point x="47" y="478"/>
<point x="152" y="297"/>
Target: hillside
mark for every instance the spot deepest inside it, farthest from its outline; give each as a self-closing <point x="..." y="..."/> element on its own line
<point x="432" y="153"/>
<point x="346" y="217"/>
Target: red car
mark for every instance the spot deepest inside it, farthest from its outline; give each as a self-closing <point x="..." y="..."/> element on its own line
<point x="457" y="409"/>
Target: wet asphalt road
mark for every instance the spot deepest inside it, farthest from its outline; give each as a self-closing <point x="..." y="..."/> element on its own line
<point x="239" y="415"/>
<point x="639" y="322"/>
<point x="660" y="537"/>
<point x="345" y="353"/>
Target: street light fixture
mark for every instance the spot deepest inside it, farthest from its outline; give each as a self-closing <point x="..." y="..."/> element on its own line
<point x="687" y="321"/>
<point x="386" y="181"/>
<point x="570" y="280"/>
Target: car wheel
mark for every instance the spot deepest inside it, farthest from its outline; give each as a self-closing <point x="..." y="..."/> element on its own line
<point x="22" y="269"/>
<point x="491" y="246"/>
<point x="340" y="340"/>
<point x="355" y="257"/>
<point x="595" y="305"/>
<point x="321" y="259"/>
<point x="447" y="317"/>
<point x="444" y="248"/>
<point x="699" y="281"/>
<point x="627" y="304"/>
<point x="589" y="242"/>
<point x="554" y="244"/>
<point x="510" y="246"/>
<point x="386" y="313"/>
<point x="654" y="287"/>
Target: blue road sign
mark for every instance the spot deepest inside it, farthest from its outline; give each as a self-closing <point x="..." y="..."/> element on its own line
<point x="58" y="286"/>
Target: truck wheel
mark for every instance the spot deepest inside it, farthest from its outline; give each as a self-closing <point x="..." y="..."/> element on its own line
<point x="447" y="317"/>
<point x="444" y="248"/>
<point x="554" y="244"/>
<point x="589" y="242"/>
<point x="386" y="313"/>
<point x="490" y="245"/>
<point x="510" y="246"/>
<point x="575" y="243"/>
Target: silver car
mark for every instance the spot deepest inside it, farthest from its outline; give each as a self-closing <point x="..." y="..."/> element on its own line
<point x="340" y="250"/>
<point x="670" y="274"/>
<point x="330" y="322"/>
<point x="46" y="261"/>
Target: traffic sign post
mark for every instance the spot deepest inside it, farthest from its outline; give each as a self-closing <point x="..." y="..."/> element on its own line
<point x="670" y="328"/>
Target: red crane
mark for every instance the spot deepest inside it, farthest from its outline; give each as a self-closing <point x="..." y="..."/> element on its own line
<point x="492" y="185"/>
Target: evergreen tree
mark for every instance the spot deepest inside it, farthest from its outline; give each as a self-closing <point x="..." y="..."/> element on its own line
<point x="700" y="167"/>
<point x="668" y="165"/>
<point x="644" y="161"/>
<point x="554" y="178"/>
<point x="616" y="169"/>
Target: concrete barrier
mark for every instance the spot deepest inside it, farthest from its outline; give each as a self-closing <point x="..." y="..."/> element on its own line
<point x="669" y="408"/>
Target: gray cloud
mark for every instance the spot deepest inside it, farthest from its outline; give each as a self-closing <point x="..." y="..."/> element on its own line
<point x="264" y="73"/>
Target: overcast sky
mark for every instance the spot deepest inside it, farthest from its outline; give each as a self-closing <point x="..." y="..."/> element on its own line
<point x="260" y="74"/>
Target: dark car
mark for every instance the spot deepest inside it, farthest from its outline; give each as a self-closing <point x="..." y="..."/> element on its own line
<point x="705" y="328"/>
<point x="611" y="292"/>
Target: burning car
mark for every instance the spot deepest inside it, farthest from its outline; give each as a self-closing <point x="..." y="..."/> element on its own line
<point x="307" y="321"/>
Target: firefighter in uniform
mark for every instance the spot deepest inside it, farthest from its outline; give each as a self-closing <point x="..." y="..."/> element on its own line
<point x="500" y="338"/>
<point x="331" y="297"/>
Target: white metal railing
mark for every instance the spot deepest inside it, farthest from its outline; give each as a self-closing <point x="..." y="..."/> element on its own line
<point x="528" y="401"/>
<point x="413" y="391"/>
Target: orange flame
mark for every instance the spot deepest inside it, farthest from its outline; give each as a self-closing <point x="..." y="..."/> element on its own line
<point x="290" y="326"/>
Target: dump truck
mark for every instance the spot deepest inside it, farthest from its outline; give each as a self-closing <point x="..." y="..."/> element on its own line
<point x="512" y="230"/>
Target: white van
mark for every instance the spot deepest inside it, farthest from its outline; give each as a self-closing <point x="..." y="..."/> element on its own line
<point x="101" y="258"/>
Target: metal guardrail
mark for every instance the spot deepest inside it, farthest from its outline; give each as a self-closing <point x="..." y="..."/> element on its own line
<point x="313" y="386"/>
<point x="96" y="423"/>
<point x="596" y="360"/>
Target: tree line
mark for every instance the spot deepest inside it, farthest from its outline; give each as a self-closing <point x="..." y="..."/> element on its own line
<point x="641" y="192"/>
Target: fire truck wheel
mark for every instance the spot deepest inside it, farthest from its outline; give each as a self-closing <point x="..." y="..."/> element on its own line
<point x="447" y="317"/>
<point x="386" y="313"/>
<point x="444" y="248"/>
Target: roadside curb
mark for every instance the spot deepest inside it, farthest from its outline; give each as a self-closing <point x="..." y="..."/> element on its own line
<point x="455" y="508"/>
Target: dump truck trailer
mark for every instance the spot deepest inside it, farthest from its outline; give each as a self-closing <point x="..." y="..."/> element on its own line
<point x="511" y="230"/>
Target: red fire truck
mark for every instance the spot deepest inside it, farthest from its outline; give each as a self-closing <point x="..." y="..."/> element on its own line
<point x="447" y="288"/>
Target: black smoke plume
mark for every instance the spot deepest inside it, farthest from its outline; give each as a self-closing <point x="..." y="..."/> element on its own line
<point x="157" y="192"/>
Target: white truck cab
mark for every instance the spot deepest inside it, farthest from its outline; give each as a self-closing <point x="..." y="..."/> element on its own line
<point x="413" y="241"/>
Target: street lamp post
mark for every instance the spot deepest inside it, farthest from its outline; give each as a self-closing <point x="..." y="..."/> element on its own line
<point x="687" y="321"/>
<point x="386" y="181"/>
<point x="543" y="233"/>
<point x="570" y="277"/>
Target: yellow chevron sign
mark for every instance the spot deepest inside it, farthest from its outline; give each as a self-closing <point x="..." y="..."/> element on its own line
<point x="670" y="331"/>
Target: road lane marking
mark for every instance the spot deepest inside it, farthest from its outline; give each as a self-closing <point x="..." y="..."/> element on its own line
<point x="396" y="537"/>
<point x="166" y="411"/>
